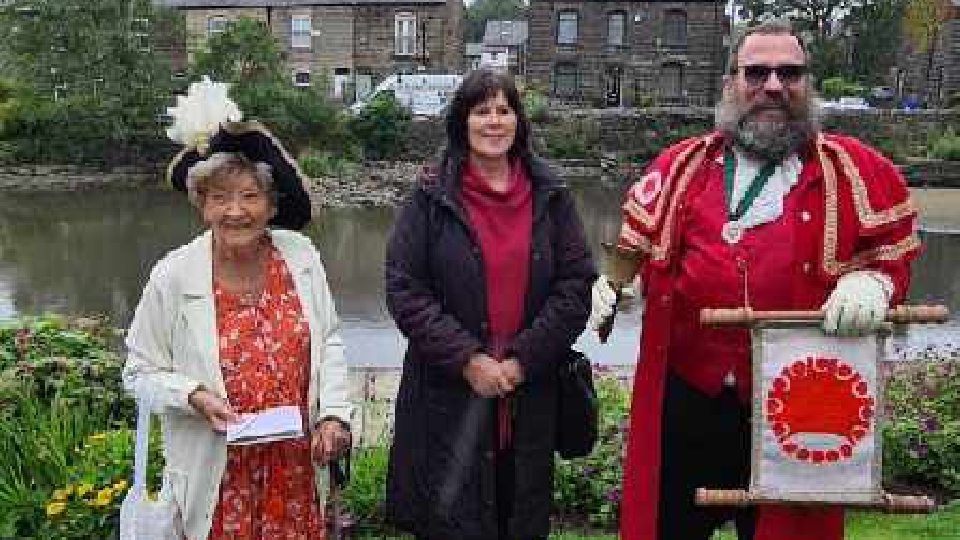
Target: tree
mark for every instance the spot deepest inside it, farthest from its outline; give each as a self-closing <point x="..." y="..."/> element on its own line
<point x="481" y="11"/>
<point x="247" y="55"/>
<point x="818" y="19"/>
<point x="874" y="31"/>
<point x="93" y="81"/>
<point x="102" y="48"/>
<point x="922" y="25"/>
<point x="245" y="52"/>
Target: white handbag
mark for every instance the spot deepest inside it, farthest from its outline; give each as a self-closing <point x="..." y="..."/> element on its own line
<point x="140" y="517"/>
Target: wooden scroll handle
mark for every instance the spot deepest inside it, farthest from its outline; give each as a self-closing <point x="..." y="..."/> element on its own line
<point x="723" y="497"/>
<point x="745" y="316"/>
<point x="908" y="504"/>
<point x="894" y="504"/>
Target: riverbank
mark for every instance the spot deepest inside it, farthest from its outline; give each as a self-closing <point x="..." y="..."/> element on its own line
<point x="379" y="184"/>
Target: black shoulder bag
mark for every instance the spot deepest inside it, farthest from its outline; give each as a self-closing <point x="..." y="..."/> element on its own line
<point x="577" y="407"/>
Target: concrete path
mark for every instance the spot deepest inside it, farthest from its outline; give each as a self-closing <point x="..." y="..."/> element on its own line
<point x="939" y="208"/>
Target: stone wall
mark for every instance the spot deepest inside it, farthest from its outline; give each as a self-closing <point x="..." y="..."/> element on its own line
<point x="932" y="173"/>
<point x="640" y="134"/>
<point x="645" y="67"/>
<point x="72" y="178"/>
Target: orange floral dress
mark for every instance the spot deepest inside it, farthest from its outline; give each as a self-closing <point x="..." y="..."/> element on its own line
<point x="267" y="491"/>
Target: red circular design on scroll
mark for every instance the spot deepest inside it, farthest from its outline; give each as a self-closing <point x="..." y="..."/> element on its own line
<point x="819" y="396"/>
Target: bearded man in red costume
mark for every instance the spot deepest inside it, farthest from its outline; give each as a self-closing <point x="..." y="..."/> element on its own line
<point x="767" y="210"/>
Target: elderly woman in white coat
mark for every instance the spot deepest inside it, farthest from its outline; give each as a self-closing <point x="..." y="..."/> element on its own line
<point x="239" y="320"/>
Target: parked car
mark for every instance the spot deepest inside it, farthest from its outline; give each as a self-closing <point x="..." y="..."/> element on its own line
<point x="425" y="95"/>
<point x="848" y="103"/>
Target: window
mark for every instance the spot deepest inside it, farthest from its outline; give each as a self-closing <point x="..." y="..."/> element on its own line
<point x="567" y="28"/>
<point x="301" y="32"/>
<point x="671" y="80"/>
<point x="405" y="33"/>
<point x="140" y="34"/>
<point x="615" y="25"/>
<point x="565" y="81"/>
<point x="675" y="28"/>
<point x="216" y="25"/>
<point x="301" y="77"/>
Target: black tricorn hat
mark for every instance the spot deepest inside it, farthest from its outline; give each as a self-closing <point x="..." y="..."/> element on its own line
<point x="254" y="141"/>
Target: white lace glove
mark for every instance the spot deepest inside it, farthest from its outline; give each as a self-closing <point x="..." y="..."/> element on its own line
<point x="604" y="298"/>
<point x="858" y="304"/>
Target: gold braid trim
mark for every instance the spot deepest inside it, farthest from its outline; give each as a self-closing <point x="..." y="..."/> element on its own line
<point x="693" y="157"/>
<point x="887" y="252"/>
<point x="637" y="240"/>
<point x="640" y="213"/>
<point x="868" y="216"/>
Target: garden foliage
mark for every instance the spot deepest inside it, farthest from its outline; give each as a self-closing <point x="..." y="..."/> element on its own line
<point x="946" y="146"/>
<point x="66" y="444"/>
<point x="921" y="434"/>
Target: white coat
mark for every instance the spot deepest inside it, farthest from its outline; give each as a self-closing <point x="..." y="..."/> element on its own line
<point x="173" y="348"/>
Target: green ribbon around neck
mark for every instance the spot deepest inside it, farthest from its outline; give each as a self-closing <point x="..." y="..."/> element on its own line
<point x="756" y="185"/>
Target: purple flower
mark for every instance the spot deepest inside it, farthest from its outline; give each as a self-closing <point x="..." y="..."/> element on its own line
<point x="930" y="424"/>
<point x="917" y="450"/>
<point x="613" y="495"/>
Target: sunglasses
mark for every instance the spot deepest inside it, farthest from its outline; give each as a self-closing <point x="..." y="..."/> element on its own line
<point x="758" y="74"/>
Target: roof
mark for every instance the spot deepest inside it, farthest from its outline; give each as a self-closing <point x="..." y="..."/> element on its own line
<point x="505" y="33"/>
<point x="188" y="4"/>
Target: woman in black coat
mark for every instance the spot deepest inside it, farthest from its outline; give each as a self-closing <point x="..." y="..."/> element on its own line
<point x="488" y="276"/>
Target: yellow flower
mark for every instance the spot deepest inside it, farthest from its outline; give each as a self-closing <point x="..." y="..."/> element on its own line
<point x="104" y="496"/>
<point x="120" y="486"/>
<point x="62" y="494"/>
<point x="56" y="508"/>
<point x="83" y="489"/>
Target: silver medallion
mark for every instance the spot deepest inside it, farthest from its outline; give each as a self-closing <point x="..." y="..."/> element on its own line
<point x="731" y="232"/>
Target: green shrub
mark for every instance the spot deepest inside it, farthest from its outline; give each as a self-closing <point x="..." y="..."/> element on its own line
<point x="571" y="139"/>
<point x="836" y="87"/>
<point x="32" y="339"/>
<point x="380" y="127"/>
<point x="317" y="163"/>
<point x="587" y="490"/>
<point x="37" y="446"/>
<point x="921" y="433"/>
<point x="947" y="147"/>
<point x="363" y="496"/>
<point x="87" y="505"/>
<point x="536" y="104"/>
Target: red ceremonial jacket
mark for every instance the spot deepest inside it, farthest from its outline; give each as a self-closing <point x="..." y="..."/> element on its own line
<point x="850" y="210"/>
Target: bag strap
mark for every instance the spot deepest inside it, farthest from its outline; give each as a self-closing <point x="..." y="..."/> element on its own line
<point x="141" y="446"/>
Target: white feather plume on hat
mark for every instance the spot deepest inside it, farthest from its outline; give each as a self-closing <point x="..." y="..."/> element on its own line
<point x="198" y="115"/>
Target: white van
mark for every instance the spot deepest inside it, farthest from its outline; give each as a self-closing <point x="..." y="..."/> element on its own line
<point x="426" y="95"/>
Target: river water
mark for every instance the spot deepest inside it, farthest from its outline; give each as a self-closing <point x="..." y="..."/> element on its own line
<point x="90" y="252"/>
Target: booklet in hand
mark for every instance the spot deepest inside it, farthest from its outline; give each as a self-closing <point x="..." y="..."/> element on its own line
<point x="268" y="425"/>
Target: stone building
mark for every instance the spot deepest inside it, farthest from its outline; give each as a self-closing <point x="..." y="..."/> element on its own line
<point x="504" y="46"/>
<point x="343" y="44"/>
<point x="629" y="53"/>
<point x="936" y="83"/>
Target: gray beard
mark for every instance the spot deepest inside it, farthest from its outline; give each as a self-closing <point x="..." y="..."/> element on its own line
<point x="769" y="141"/>
<point x="764" y="140"/>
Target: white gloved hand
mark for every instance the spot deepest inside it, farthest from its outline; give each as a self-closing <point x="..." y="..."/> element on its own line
<point x="858" y="304"/>
<point x="603" y="300"/>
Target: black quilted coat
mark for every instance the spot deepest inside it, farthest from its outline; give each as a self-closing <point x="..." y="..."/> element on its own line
<point x="442" y="481"/>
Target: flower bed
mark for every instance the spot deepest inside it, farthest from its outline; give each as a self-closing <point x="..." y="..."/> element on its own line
<point x="66" y="446"/>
